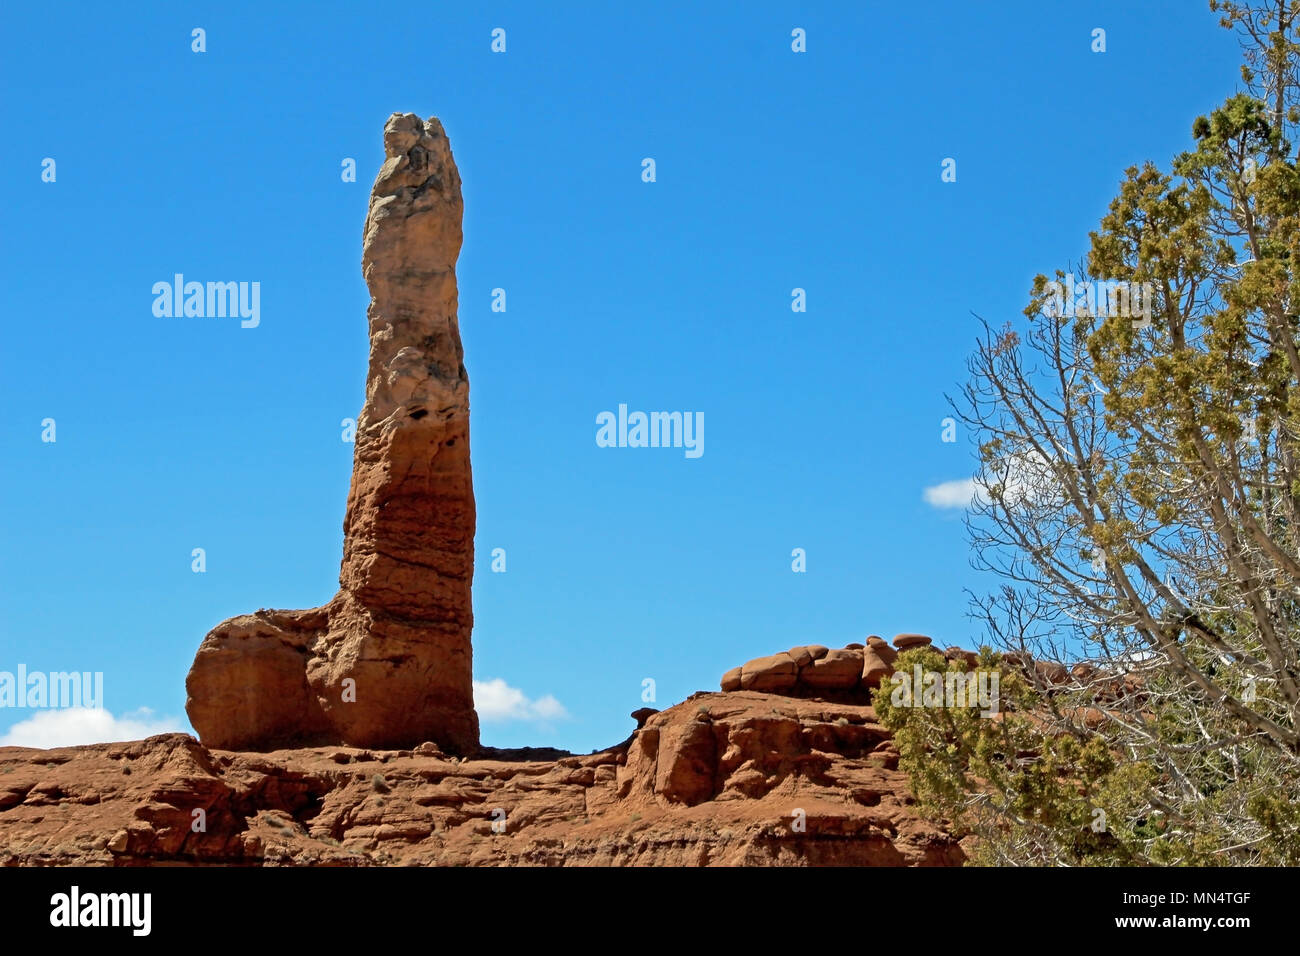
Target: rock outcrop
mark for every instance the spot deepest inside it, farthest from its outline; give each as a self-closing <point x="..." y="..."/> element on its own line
<point x="346" y="735"/>
<point x="387" y="663"/>
<point x="741" y="778"/>
<point x="847" y="674"/>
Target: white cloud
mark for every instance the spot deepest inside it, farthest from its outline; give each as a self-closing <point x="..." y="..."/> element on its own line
<point x="496" y="700"/>
<point x="1026" y="480"/>
<point x="952" y="494"/>
<point x="74" y="726"/>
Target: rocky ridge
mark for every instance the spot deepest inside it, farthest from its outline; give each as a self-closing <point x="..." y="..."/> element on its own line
<point x="732" y="778"/>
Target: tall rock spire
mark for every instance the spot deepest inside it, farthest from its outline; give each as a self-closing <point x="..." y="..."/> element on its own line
<point x="387" y="663"/>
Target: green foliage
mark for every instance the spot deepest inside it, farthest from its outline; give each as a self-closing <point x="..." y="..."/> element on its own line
<point x="1036" y="784"/>
<point x="1010" y="783"/>
<point x="1143" y="512"/>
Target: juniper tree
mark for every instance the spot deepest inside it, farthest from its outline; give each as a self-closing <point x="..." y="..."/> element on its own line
<point x="1139" y="500"/>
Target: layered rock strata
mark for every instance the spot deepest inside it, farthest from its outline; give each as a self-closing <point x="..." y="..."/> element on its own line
<point x="387" y="662"/>
<point x="743" y="778"/>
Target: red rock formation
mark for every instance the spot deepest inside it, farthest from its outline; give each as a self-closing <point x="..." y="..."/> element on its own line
<point x="387" y="663"/>
<point x="743" y="778"/>
<point x="806" y="776"/>
<point x="905" y="641"/>
<point x="847" y="674"/>
<point x="365" y="705"/>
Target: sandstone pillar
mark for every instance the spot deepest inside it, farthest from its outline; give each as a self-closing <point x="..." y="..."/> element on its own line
<point x="387" y="663"/>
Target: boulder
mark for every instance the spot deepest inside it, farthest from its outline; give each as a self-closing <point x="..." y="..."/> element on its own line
<point x="838" y="670"/>
<point x="905" y="641"/>
<point x="1018" y="659"/>
<point x="802" y="656"/>
<point x="775" y="673"/>
<point x="882" y="649"/>
<point x="1084" y="672"/>
<point x="960" y="654"/>
<point x="1050" y="672"/>
<point x="874" y="667"/>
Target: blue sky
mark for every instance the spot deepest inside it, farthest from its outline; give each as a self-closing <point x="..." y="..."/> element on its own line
<point x="775" y="170"/>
